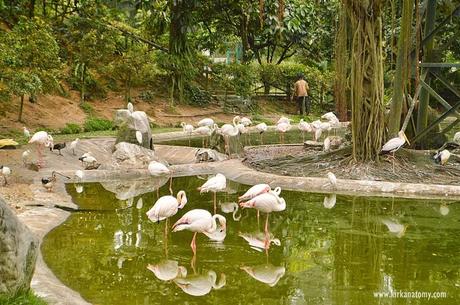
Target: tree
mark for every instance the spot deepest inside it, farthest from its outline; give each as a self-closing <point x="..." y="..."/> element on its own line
<point x="29" y="60"/>
<point x="366" y="80"/>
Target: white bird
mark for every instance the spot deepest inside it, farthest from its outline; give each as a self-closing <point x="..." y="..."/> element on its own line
<point x="139" y="137"/>
<point x="215" y="184"/>
<point x="206" y="122"/>
<point x="157" y="169"/>
<point x="254" y="191"/>
<point x="266" y="203"/>
<point x="267" y="274"/>
<point x="442" y="156"/>
<point x="230" y="207"/>
<point x="167" y="206"/>
<point x="330" y="116"/>
<point x="444" y="209"/>
<point x="5" y="171"/>
<point x="394" y="144"/>
<point x="205" y="131"/>
<point x="87" y="159"/>
<point x="327" y="144"/>
<point x="187" y="129"/>
<point x="168" y="270"/>
<point x="282" y="128"/>
<point x="229" y="130"/>
<point x="316" y="124"/>
<point x="329" y="201"/>
<point x="130" y="107"/>
<point x="41" y="139"/>
<point x="199" y="221"/>
<point x="257" y="240"/>
<point x="332" y="179"/>
<point x="262" y="127"/>
<point x="79" y="188"/>
<point x="304" y="127"/>
<point x="245" y="121"/>
<point x="457" y="137"/>
<point x="199" y="285"/>
<point x="243" y="131"/>
<point x="26" y="132"/>
<point x="395" y="227"/>
<point x="326" y="126"/>
<point x="318" y="132"/>
<point x="25" y="156"/>
<point x="79" y="174"/>
<point x="73" y="145"/>
<point x="284" y="120"/>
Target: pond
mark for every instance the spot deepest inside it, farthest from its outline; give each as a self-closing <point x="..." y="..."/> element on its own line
<point x="323" y="251"/>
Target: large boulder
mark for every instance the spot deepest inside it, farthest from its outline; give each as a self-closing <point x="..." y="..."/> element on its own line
<point x="130" y="156"/>
<point x="128" y="123"/>
<point x="18" y="252"/>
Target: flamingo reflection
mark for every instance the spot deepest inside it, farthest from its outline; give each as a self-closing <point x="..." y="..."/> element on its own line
<point x="168" y="270"/>
<point x="395" y="227"/>
<point x="230" y="207"/>
<point x="329" y="201"/>
<point x="267" y="274"/>
<point x="201" y="284"/>
<point x="257" y="240"/>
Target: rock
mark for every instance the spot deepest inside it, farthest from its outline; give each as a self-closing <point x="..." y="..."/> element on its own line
<point x="127" y="155"/>
<point x="128" y="123"/>
<point x="313" y="144"/>
<point x="125" y="190"/>
<point x="208" y="155"/>
<point x="18" y="252"/>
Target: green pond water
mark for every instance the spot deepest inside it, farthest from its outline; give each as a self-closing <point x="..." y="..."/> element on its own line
<point x="329" y="252"/>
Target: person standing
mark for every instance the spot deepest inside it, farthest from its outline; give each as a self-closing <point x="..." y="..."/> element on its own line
<point x="301" y="93"/>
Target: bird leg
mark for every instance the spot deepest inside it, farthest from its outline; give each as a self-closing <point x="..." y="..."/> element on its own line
<point x="215" y="202"/>
<point x="393" y="162"/>
<point x="73" y="152"/>
<point x="266" y="242"/>
<point x="170" y="184"/>
<point x="60" y="153"/>
<point x="202" y="142"/>
<point x="258" y="216"/>
<point x="193" y="263"/>
<point x="262" y="139"/>
<point x="303" y="136"/>
<point x="5" y="183"/>
<point x="193" y="244"/>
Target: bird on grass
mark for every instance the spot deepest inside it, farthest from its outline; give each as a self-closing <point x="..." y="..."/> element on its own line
<point x="167" y="206"/>
<point x="395" y="144"/>
<point x="442" y="157"/>
<point x="215" y="184"/>
<point x="199" y="221"/>
<point x="262" y="128"/>
<point x="59" y="147"/>
<point x="5" y="171"/>
<point x="73" y="145"/>
<point x="49" y="182"/>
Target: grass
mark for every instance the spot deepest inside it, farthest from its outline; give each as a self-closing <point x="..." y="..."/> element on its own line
<point x="27" y="298"/>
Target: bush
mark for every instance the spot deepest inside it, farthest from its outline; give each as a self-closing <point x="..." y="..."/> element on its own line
<point x="238" y="77"/>
<point x="97" y="124"/>
<point x="71" y="128"/>
<point x="197" y="96"/>
<point x="86" y="107"/>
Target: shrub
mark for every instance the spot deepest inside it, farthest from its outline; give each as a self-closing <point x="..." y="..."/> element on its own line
<point x="197" y="96"/>
<point x="97" y="124"/>
<point x="86" y="107"/>
<point x="71" y="128"/>
<point x="238" y="77"/>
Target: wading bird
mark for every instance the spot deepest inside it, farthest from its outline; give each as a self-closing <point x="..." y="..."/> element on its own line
<point x="283" y="119"/>
<point x="158" y="169"/>
<point x="262" y="128"/>
<point x="245" y="121"/>
<point x="88" y="160"/>
<point x="229" y="130"/>
<point x="282" y="128"/>
<point x="187" y="129"/>
<point x="215" y="184"/>
<point x="254" y="191"/>
<point x="394" y="144"/>
<point x="304" y="127"/>
<point x="205" y="131"/>
<point x="199" y="221"/>
<point x="206" y="122"/>
<point x="5" y="171"/>
<point x="167" y="206"/>
<point x="49" y="182"/>
<point x="41" y="139"/>
<point x="73" y="145"/>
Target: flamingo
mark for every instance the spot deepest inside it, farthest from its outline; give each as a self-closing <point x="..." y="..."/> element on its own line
<point x="41" y="139"/>
<point x="206" y="122"/>
<point x="157" y="169"/>
<point x="205" y="131"/>
<point x="188" y="129"/>
<point x="395" y="144"/>
<point x="282" y="128"/>
<point x="25" y="156"/>
<point x="442" y="156"/>
<point x="229" y="130"/>
<point x="230" y="207"/>
<point x="266" y="203"/>
<point x="262" y="127"/>
<point x="395" y="227"/>
<point x="304" y="127"/>
<point x="329" y="201"/>
<point x="267" y="274"/>
<point x="254" y="191"/>
<point x="5" y="171"/>
<point x="215" y="184"/>
<point x="243" y="130"/>
<point x="26" y="132"/>
<point x="330" y="116"/>
<point x="199" y="221"/>
<point x="199" y="285"/>
<point x="166" y="207"/>
<point x="167" y="270"/>
<point x="130" y="107"/>
<point x="284" y="119"/>
<point x="73" y="145"/>
<point x="246" y="121"/>
<point x="257" y="240"/>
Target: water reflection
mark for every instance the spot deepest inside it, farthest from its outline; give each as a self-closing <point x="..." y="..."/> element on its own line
<point x="329" y="201"/>
<point x="200" y="284"/>
<point x="79" y="188"/>
<point x="258" y="240"/>
<point x="395" y="227"/>
<point x="266" y="273"/>
<point x="167" y="270"/>
<point x="444" y="209"/>
<point x="230" y="207"/>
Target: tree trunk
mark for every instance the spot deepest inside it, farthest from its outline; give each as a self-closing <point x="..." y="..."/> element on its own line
<point x="31" y="9"/>
<point x="21" y="106"/>
<point x="341" y="67"/>
<point x="82" y="84"/>
<point x="422" y="116"/>
<point x="366" y="78"/>
<point x="401" y="77"/>
<point x="244" y="36"/>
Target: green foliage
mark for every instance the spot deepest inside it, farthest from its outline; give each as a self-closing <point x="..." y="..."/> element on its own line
<point x="87" y="108"/>
<point x="97" y="124"/>
<point x="240" y="78"/>
<point x="71" y="128"/>
<point x="197" y="96"/>
<point x="27" y="298"/>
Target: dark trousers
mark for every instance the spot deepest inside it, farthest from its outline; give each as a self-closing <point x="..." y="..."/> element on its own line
<point x="303" y="105"/>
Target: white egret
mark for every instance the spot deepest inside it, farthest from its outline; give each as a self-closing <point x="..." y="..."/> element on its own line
<point x="5" y="171"/>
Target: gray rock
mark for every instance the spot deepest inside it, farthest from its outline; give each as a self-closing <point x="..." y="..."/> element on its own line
<point x="127" y="155"/>
<point x="208" y="155"/>
<point x="18" y="252"/>
<point x="128" y="123"/>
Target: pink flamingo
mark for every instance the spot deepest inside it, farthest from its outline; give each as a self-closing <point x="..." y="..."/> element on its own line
<point x="199" y="221"/>
<point x="166" y="207"/>
<point x="215" y="184"/>
<point x="254" y="191"/>
<point x="41" y="139"/>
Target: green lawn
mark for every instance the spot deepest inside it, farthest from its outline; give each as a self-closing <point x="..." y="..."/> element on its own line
<point x="28" y="298"/>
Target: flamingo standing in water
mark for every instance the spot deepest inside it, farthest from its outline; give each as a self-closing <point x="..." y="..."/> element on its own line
<point x="304" y="127"/>
<point x="158" y="169"/>
<point x="282" y="128"/>
<point x="199" y="221"/>
<point x="206" y="122"/>
<point x="266" y="203"/>
<point x="41" y="139"/>
<point x="205" y="131"/>
<point x="262" y="127"/>
<point x="188" y="129"/>
<point x="166" y="207"/>
<point x="254" y="191"/>
<point x="246" y="121"/>
<point x="229" y="130"/>
<point x="215" y="184"/>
